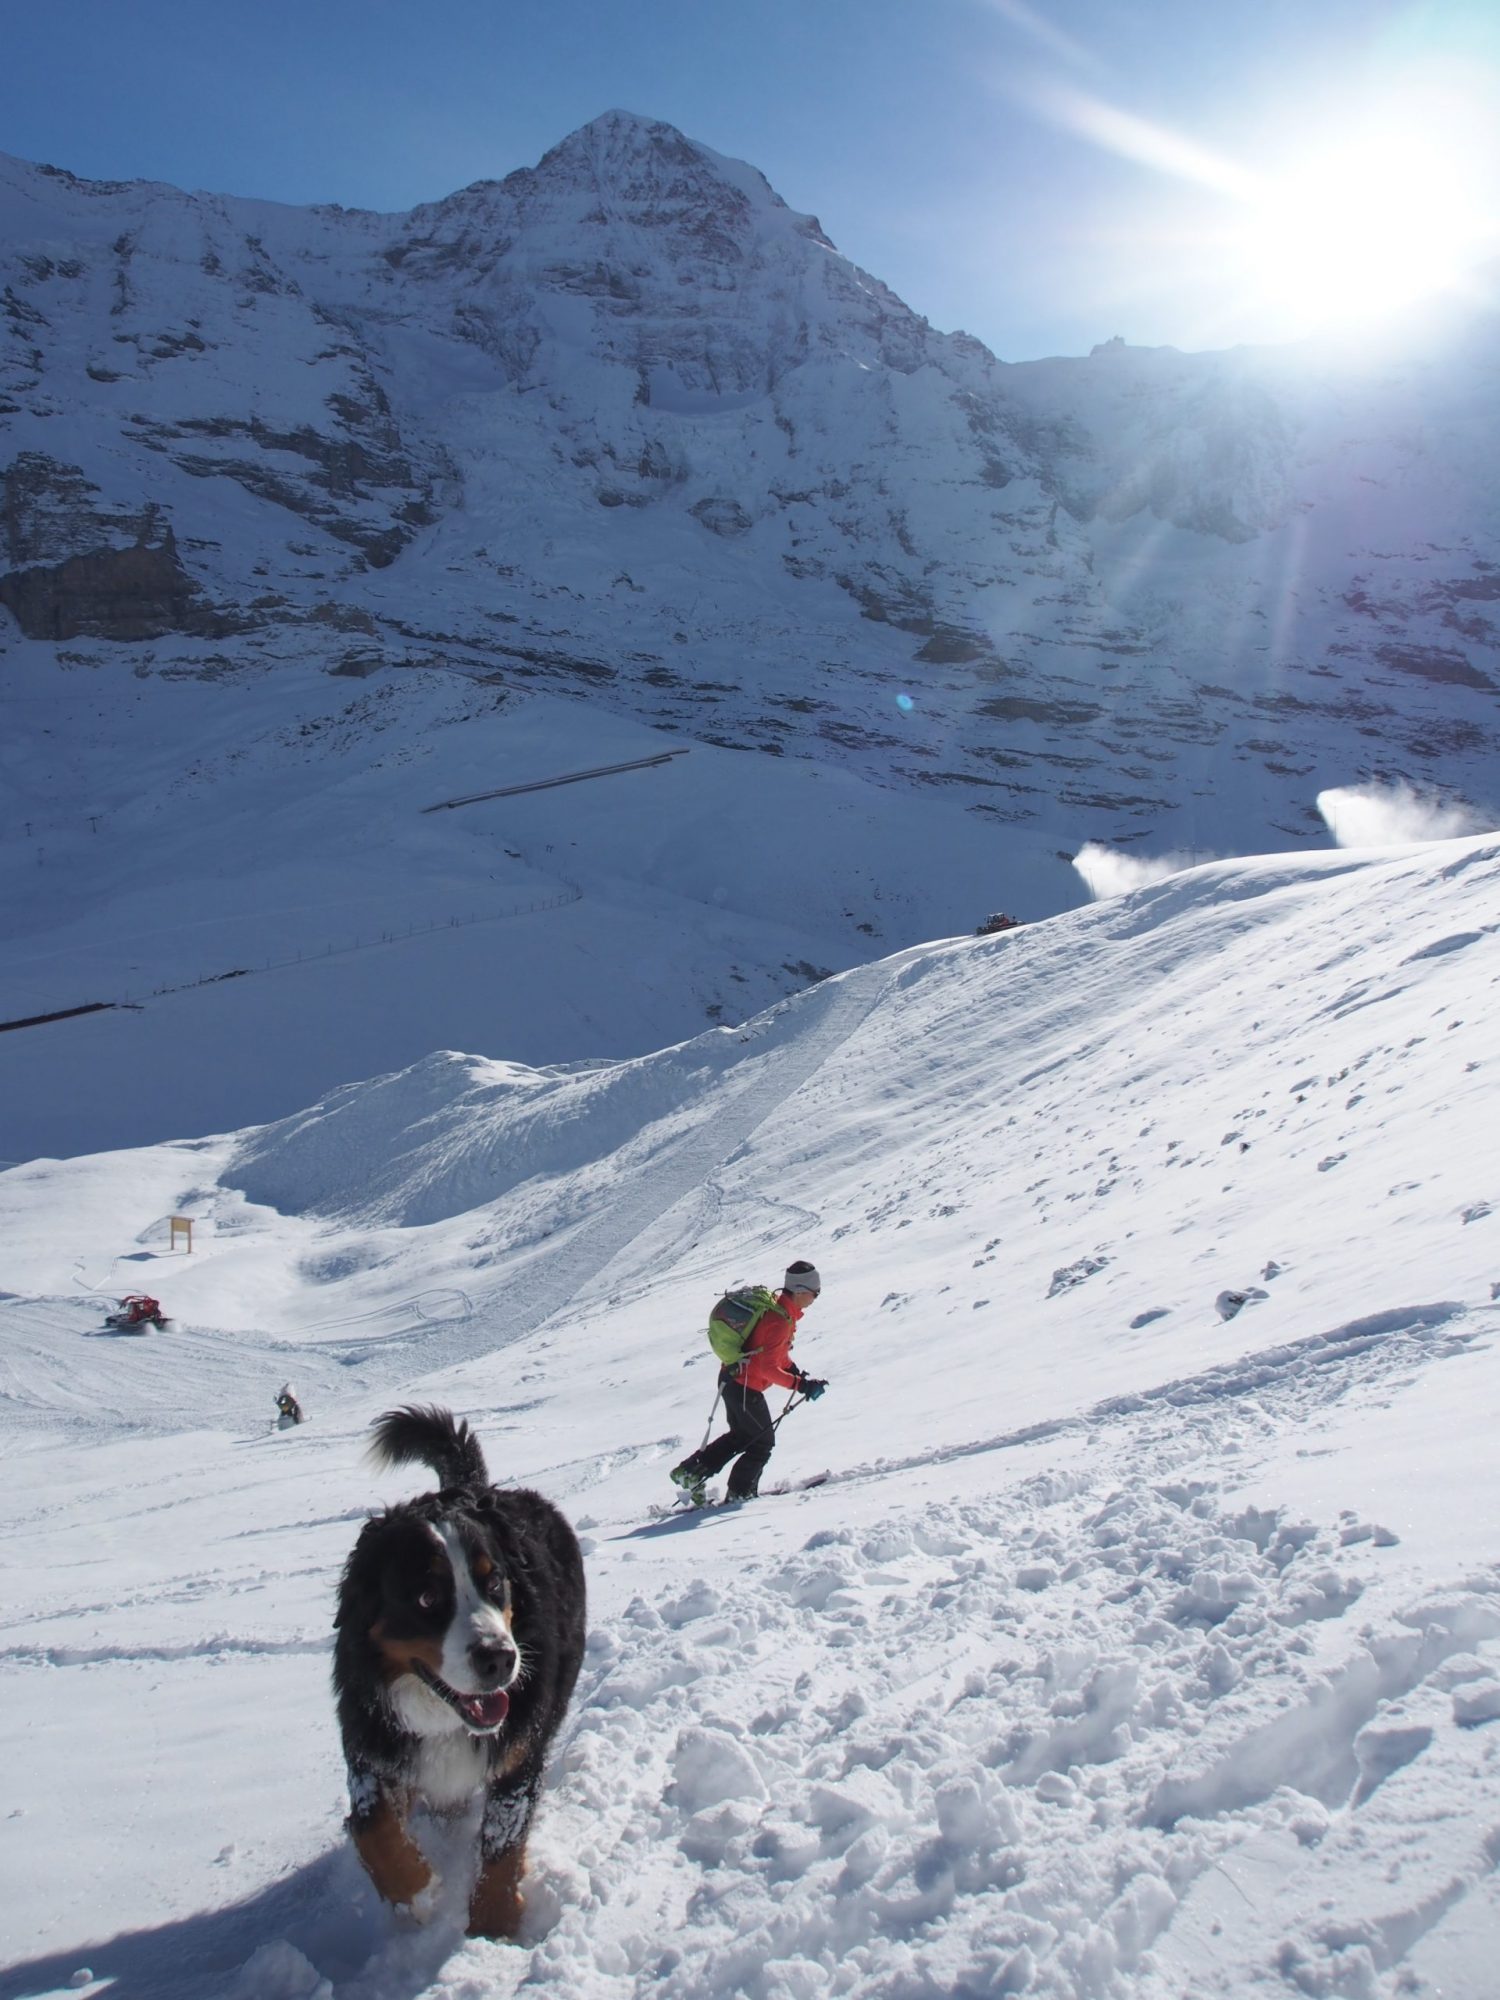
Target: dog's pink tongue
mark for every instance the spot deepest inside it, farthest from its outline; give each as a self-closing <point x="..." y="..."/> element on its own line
<point x="487" y="1711"/>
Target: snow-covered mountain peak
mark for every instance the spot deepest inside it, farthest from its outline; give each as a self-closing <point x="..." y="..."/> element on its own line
<point x="648" y="251"/>
<point x="656" y="176"/>
<point x="628" y="190"/>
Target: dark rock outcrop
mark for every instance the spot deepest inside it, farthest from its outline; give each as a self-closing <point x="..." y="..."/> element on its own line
<point x="83" y="569"/>
<point x="136" y="593"/>
<point x="49" y="510"/>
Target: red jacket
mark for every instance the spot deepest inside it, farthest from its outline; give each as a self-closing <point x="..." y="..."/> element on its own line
<point x="768" y="1364"/>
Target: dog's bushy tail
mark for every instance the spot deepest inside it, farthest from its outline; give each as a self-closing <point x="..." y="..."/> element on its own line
<point x="418" y="1436"/>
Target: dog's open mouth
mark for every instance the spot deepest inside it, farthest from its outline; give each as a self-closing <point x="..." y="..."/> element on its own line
<point x="479" y="1712"/>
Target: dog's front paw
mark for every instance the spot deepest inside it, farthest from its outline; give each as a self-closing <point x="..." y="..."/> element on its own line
<point x="422" y="1906"/>
<point x="496" y="1908"/>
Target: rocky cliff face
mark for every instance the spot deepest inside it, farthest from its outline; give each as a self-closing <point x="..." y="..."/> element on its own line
<point x="116" y="574"/>
<point x="625" y="424"/>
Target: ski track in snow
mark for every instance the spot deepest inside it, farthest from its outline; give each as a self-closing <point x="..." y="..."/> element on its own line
<point x="1401" y="1337"/>
<point x="690" y="1174"/>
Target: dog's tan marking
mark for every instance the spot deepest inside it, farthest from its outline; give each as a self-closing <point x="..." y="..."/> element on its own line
<point x="496" y="1907"/>
<point x="484" y="1569"/>
<point x="514" y="1758"/>
<point x="393" y="1861"/>
<point x="396" y="1656"/>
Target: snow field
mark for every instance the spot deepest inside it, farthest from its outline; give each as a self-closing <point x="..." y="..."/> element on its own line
<point x="295" y="855"/>
<point x="1144" y="1643"/>
<point x="1099" y="1695"/>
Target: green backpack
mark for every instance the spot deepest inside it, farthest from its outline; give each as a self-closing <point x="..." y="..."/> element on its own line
<point x="735" y="1318"/>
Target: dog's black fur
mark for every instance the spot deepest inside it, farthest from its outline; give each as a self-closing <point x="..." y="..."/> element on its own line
<point x="488" y="1585"/>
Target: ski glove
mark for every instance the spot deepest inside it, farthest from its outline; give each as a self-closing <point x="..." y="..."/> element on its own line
<point x="812" y="1387"/>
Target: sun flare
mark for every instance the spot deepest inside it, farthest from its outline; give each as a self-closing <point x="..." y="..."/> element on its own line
<point x="1381" y="205"/>
<point x="1363" y="229"/>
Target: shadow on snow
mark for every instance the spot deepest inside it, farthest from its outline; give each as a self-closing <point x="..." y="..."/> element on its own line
<point x="323" y="1915"/>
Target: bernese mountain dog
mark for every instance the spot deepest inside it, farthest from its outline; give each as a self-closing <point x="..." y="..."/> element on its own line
<point x="459" y="1635"/>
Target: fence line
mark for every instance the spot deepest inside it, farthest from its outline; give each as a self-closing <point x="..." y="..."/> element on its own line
<point x="569" y="778"/>
<point x="572" y="893"/>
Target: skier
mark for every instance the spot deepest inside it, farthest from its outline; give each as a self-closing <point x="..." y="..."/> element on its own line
<point x="290" y="1409"/>
<point x="768" y="1365"/>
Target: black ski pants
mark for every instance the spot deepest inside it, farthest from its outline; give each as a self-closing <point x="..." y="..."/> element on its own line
<point x="751" y="1437"/>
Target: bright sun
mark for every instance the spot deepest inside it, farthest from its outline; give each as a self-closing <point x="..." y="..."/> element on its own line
<point x="1383" y="205"/>
<point x="1363" y="229"/>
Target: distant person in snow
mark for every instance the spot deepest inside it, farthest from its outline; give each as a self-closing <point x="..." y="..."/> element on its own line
<point x="767" y="1364"/>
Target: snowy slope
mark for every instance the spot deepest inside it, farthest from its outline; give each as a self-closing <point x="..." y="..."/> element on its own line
<point x="311" y="518"/>
<point x="1146" y="1638"/>
<point x="286" y="915"/>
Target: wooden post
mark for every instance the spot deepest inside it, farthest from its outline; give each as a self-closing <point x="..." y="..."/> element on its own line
<point x="182" y="1225"/>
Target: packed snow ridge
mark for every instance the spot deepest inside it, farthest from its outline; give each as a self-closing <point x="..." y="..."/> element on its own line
<point x="1144" y="1639"/>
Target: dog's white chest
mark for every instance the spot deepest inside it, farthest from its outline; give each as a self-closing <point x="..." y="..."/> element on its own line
<point x="450" y="1769"/>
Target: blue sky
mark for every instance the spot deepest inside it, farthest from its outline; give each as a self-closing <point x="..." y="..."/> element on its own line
<point x="1043" y="173"/>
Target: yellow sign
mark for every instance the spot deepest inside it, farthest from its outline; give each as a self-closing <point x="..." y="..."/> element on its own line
<point x="182" y="1225"/>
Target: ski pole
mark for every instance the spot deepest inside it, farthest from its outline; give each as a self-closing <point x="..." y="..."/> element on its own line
<point x="713" y="1411"/>
<point x="794" y="1401"/>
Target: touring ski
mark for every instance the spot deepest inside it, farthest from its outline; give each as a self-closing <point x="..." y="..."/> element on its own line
<point x="684" y="1509"/>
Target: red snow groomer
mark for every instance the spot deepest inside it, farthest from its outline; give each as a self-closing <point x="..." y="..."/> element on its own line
<point x="137" y="1309"/>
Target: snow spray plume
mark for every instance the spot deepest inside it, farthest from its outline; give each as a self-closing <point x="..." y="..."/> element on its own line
<point x="1388" y="815"/>
<point x="1110" y="874"/>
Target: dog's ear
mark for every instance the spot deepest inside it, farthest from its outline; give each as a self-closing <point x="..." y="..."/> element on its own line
<point x="360" y="1588"/>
